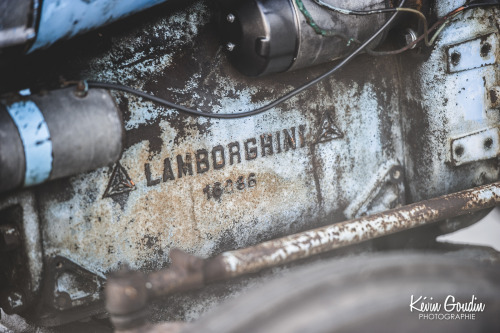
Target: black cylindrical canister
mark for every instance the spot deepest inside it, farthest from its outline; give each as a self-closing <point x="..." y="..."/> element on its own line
<point x="57" y="134"/>
<point x="271" y="36"/>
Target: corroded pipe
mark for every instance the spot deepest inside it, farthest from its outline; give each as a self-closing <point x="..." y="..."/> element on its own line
<point x="305" y="244"/>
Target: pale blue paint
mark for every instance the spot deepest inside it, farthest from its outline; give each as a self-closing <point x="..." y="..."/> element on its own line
<point x="62" y="19"/>
<point x="25" y="92"/>
<point x="36" y="141"/>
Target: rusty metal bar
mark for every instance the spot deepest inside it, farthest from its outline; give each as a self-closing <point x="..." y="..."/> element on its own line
<point x="305" y="244"/>
<point x="189" y="272"/>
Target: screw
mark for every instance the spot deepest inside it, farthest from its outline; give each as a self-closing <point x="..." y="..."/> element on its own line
<point x="230" y="18"/>
<point x="230" y="46"/>
<point x="396" y="174"/>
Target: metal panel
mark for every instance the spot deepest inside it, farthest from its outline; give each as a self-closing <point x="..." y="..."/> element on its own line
<point x="448" y="105"/>
<point x="65" y="19"/>
<point x="474" y="53"/>
<point x="290" y="173"/>
<point x="330" y="147"/>
<point x="477" y="146"/>
<point x="322" y="157"/>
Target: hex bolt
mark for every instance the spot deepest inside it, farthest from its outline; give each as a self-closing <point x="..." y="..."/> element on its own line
<point x="230" y="46"/>
<point x="230" y="18"/>
<point x="9" y="238"/>
<point x="409" y="37"/>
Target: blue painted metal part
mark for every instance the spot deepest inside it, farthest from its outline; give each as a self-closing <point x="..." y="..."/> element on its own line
<point x="62" y="19"/>
<point x="36" y="141"/>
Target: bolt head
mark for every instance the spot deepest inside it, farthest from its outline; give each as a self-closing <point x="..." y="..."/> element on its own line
<point x="230" y="46"/>
<point x="230" y="18"/>
<point x="410" y="36"/>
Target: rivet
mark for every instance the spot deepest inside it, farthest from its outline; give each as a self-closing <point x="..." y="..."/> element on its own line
<point x="488" y="143"/>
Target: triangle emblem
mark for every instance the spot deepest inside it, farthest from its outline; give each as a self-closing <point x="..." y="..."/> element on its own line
<point x="120" y="182"/>
<point x="328" y="130"/>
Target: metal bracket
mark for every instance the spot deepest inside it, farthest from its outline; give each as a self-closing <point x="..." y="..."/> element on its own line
<point x="474" y="53"/>
<point x="386" y="191"/>
<point x="70" y="293"/>
<point x="473" y="147"/>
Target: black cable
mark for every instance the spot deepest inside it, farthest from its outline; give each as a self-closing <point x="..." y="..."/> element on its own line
<point x="267" y="107"/>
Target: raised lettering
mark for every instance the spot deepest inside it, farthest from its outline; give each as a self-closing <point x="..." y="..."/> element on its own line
<point x="278" y="141"/>
<point x="168" y="174"/>
<point x="268" y="144"/>
<point x="184" y="167"/>
<point x="202" y="163"/>
<point x="235" y="152"/>
<point x="250" y="153"/>
<point x="289" y="139"/>
<point x="302" y="136"/>
<point x="218" y="164"/>
<point x="149" y="181"/>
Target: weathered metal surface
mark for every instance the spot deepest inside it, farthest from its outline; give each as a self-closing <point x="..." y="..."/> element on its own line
<point x="387" y="191"/>
<point x="331" y="146"/>
<point x="187" y="208"/>
<point x="65" y="19"/>
<point x="475" y="53"/>
<point x="449" y="105"/>
<point x="478" y="146"/>
<point x="204" y="185"/>
<point x="128" y="293"/>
